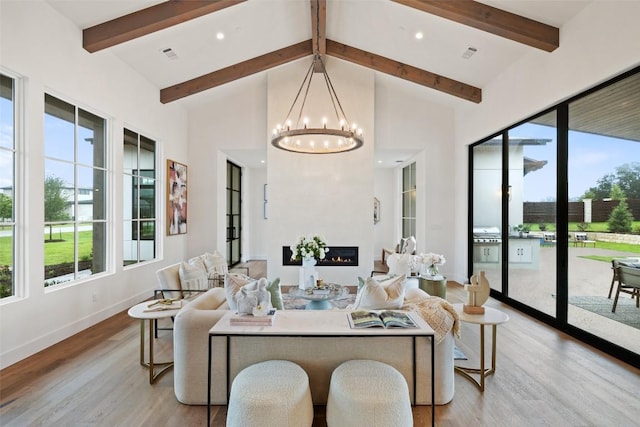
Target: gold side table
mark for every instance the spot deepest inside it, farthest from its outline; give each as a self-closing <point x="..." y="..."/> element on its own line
<point x="141" y="311"/>
<point x="491" y="317"/>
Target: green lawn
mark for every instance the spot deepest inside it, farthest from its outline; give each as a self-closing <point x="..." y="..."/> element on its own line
<point x="594" y="227"/>
<point x="56" y="252"/>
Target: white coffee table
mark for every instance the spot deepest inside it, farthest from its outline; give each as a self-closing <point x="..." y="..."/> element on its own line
<point x="141" y="311"/>
<point x="491" y="317"/>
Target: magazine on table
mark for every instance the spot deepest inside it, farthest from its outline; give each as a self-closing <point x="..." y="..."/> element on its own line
<point x="164" y="304"/>
<point x="251" y="320"/>
<point x="380" y="319"/>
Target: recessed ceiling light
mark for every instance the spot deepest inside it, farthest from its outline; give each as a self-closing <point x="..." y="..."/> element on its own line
<point x="220" y="36"/>
<point x="419" y="35"/>
<point x="261" y="161"/>
<point x="379" y="161"/>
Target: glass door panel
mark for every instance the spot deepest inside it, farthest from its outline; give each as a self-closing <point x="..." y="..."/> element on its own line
<point x="532" y="213"/>
<point x="487" y="211"/>
<point x="604" y="190"/>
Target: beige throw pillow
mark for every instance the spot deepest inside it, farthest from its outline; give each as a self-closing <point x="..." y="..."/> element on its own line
<point x="192" y="276"/>
<point x="374" y="295"/>
<point x="215" y="264"/>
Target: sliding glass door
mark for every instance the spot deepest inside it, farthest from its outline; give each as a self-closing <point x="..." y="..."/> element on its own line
<point x="532" y="242"/>
<point x="555" y="201"/>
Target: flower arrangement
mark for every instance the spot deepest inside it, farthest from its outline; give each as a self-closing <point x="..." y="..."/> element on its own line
<point x="432" y="261"/>
<point x="309" y="247"/>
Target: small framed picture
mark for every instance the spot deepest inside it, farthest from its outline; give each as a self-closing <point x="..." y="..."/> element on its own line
<point x="376" y="210"/>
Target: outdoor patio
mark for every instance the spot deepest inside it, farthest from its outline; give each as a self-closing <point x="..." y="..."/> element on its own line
<point x="587" y="277"/>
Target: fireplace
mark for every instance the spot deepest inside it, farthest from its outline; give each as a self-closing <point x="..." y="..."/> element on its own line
<point x="338" y="256"/>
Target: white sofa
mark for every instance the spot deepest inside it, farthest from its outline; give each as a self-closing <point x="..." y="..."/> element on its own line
<point x="317" y="356"/>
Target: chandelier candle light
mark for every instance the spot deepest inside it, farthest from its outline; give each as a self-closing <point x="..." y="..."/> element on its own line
<point x="301" y="138"/>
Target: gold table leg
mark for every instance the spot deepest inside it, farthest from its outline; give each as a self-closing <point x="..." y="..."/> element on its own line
<point x="482" y="372"/>
<point x="165" y="366"/>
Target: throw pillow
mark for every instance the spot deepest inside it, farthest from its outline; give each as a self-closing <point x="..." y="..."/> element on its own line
<point x="374" y="295"/>
<point x="400" y="264"/>
<point x="233" y="282"/>
<point x="192" y="277"/>
<point x="215" y="264"/>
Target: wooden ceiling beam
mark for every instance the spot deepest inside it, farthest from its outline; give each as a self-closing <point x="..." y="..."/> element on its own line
<point x="147" y="21"/>
<point x="237" y="71"/>
<point x="319" y="26"/>
<point x="492" y="20"/>
<point x="404" y="71"/>
<point x="319" y="30"/>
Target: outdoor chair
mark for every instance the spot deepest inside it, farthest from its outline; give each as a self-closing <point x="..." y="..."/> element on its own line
<point x="628" y="282"/>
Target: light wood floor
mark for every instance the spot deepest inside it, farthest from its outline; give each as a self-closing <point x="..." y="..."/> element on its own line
<point x="543" y="378"/>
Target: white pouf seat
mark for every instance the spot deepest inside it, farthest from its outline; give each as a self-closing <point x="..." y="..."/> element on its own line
<point x="274" y="393"/>
<point x="368" y="393"/>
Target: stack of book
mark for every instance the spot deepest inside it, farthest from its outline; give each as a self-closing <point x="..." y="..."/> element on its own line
<point x="251" y="320"/>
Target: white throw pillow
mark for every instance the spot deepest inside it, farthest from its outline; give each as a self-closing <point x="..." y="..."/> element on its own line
<point x="233" y="282"/>
<point x="374" y="295"/>
<point x="192" y="276"/>
<point x="400" y="264"/>
<point x="215" y="264"/>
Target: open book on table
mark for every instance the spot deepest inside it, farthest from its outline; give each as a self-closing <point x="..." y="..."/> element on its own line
<point x="380" y="319"/>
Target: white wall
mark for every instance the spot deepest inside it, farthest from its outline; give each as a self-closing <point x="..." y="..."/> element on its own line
<point x="330" y="195"/>
<point x="45" y="48"/>
<point x="234" y="118"/>
<point x="598" y="43"/>
<point x="407" y="120"/>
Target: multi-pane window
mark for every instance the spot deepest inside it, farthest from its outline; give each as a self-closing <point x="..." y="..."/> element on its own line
<point x="409" y="200"/>
<point x="75" y="196"/>
<point x="7" y="185"/>
<point x="139" y="198"/>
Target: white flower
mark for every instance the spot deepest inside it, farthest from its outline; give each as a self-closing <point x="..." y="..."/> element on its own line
<point x="432" y="259"/>
<point x="309" y="247"/>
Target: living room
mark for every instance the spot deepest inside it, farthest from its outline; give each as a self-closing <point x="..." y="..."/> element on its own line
<point x="42" y="49"/>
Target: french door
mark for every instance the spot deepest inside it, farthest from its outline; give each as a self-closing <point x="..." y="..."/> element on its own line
<point x="234" y="213"/>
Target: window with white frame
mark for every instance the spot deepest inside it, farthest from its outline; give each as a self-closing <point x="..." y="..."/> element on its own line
<point x="7" y="185"/>
<point x="75" y="196"/>
<point x="139" y="198"/>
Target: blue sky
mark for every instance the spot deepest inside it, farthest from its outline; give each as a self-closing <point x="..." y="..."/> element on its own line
<point x="590" y="158"/>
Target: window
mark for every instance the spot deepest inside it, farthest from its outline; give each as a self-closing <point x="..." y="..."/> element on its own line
<point x="139" y="198"/>
<point x="7" y="185"/>
<point x="409" y="200"/>
<point x="75" y="208"/>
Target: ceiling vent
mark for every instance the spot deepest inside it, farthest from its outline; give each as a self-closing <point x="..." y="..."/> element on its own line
<point x="169" y="53"/>
<point x="469" y="52"/>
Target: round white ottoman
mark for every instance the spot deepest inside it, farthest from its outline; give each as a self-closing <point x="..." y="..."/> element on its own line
<point x="368" y="393"/>
<point x="274" y="393"/>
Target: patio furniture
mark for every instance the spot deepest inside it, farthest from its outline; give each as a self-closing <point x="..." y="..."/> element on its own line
<point x="628" y="282"/>
<point x="614" y="266"/>
<point x="581" y="239"/>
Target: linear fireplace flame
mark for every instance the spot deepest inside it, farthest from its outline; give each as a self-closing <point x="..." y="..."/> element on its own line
<point x="338" y="256"/>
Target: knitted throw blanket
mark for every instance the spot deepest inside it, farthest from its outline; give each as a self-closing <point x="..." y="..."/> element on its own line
<point x="438" y="313"/>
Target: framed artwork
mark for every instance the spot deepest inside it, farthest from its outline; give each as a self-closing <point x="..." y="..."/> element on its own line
<point x="176" y="198"/>
<point x="376" y="210"/>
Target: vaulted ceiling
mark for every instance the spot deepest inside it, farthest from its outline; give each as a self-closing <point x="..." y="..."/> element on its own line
<point x="175" y="44"/>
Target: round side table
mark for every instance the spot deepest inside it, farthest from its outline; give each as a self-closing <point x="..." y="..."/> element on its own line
<point x="435" y="288"/>
<point x="491" y="317"/>
<point x="145" y="311"/>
